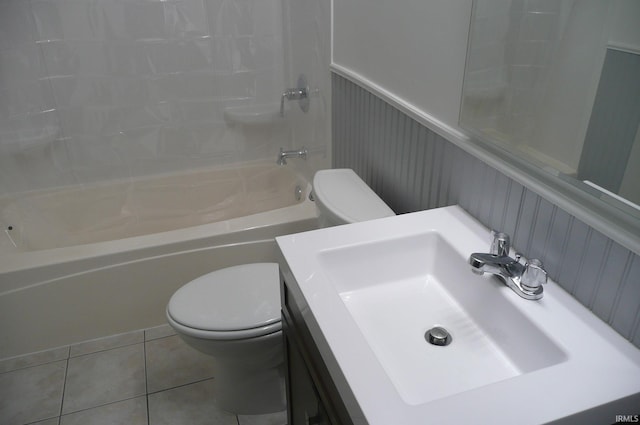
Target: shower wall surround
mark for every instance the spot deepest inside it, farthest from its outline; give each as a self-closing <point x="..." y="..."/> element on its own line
<point x="103" y="89"/>
<point x="413" y="168"/>
<point x="307" y="35"/>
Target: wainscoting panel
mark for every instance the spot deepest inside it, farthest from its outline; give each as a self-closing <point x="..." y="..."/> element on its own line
<point x="413" y="168"/>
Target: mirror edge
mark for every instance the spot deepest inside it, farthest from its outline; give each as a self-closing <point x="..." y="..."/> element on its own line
<point x="612" y="222"/>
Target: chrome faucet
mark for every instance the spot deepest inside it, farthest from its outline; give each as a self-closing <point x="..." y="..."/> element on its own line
<point x="524" y="277"/>
<point x="283" y="155"/>
<point x="299" y="93"/>
<point x="292" y="94"/>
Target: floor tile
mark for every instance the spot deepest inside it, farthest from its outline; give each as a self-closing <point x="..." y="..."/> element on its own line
<point x="108" y="387"/>
<point x="107" y="343"/>
<point x="191" y="404"/>
<point x="279" y="418"/>
<point x="34" y="359"/>
<point x="171" y="362"/>
<point x="52" y="421"/>
<point x="158" y="332"/>
<point x="129" y="412"/>
<point x="104" y="377"/>
<point x="31" y="394"/>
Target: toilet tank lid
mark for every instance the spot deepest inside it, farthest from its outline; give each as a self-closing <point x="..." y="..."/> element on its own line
<point x="235" y="298"/>
<point x="346" y="196"/>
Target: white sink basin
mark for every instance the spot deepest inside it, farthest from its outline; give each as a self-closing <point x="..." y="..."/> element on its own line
<point x="398" y="289"/>
<point x="371" y="290"/>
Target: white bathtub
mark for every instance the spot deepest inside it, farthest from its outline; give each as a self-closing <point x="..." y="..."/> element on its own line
<point x="57" y="288"/>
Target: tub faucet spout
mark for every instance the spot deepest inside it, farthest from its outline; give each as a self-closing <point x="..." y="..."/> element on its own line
<point x="524" y="277"/>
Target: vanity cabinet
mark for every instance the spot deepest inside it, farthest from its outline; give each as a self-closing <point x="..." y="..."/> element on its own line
<point x="312" y="397"/>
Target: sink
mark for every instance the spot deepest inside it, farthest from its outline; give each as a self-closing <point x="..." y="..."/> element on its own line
<point x="370" y="291"/>
<point x="398" y="289"/>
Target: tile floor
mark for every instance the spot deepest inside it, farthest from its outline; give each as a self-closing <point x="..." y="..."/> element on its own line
<point x="146" y="377"/>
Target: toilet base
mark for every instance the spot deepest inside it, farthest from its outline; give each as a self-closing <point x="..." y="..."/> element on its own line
<point x="250" y="392"/>
<point x="249" y="373"/>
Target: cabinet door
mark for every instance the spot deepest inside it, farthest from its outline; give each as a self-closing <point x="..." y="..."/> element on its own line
<point x="305" y="406"/>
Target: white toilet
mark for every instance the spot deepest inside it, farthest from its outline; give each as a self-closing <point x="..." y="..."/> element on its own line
<point x="233" y="314"/>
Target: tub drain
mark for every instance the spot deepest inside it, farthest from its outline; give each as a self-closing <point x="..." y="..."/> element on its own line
<point x="438" y="336"/>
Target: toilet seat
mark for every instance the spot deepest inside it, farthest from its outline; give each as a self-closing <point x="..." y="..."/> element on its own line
<point x="233" y="303"/>
<point x="224" y="335"/>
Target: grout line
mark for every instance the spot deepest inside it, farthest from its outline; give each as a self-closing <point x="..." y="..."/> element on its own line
<point x="41" y="363"/>
<point x="146" y="375"/>
<point x="102" y="350"/>
<point x="100" y="405"/>
<point x="66" y="357"/>
<point x="64" y="387"/>
<point x="69" y="354"/>
<point x="181" y="385"/>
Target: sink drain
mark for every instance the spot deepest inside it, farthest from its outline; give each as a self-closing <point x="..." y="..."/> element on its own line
<point x="438" y="336"/>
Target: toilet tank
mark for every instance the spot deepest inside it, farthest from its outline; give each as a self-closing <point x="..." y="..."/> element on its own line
<point x="342" y="197"/>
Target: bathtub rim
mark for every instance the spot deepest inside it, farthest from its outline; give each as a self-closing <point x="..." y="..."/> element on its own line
<point x="301" y="177"/>
<point x="21" y="269"/>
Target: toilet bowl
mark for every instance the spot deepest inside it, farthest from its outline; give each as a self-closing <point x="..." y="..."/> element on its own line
<point x="233" y="314"/>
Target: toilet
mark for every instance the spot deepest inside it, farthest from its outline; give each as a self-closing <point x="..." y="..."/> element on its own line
<point x="233" y="314"/>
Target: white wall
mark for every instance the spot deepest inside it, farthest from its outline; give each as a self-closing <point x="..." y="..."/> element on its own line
<point x="415" y="49"/>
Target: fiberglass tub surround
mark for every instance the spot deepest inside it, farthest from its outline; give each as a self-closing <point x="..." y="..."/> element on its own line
<point x="105" y="89"/>
<point x="373" y="290"/>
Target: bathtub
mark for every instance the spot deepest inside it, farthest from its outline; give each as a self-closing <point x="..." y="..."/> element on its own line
<point x="87" y="262"/>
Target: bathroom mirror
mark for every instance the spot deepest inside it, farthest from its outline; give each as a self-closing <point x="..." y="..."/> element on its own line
<point x="553" y="88"/>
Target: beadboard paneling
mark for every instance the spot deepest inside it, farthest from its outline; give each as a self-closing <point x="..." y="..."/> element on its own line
<point x="413" y="168"/>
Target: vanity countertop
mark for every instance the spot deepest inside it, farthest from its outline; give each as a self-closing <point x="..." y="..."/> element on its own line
<point x="371" y="290"/>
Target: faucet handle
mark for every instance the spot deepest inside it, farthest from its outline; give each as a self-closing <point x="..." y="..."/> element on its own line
<point x="501" y="243"/>
<point x="533" y="275"/>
